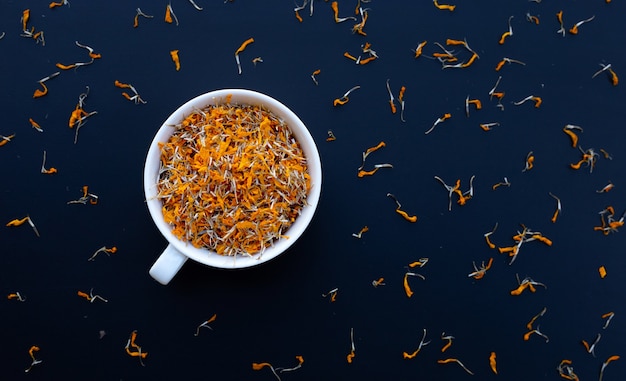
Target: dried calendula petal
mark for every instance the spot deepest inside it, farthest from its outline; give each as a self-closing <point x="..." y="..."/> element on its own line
<point x="313" y="76"/>
<point x="25" y="18"/>
<point x="58" y="4"/>
<point x="169" y="13"/>
<point x="140" y="13"/>
<point x="233" y="179"/>
<point x="174" y="54"/>
<point x="360" y="233"/>
<point x="604" y="365"/>
<point x="445" y="7"/>
<point x="351" y="355"/>
<point x="332" y="293"/>
<point x="448" y="343"/>
<point x="400" y="211"/>
<point x="40" y="93"/>
<point x="261" y="365"/>
<point x="50" y="171"/>
<point x="205" y="324"/>
<point x="34" y="362"/>
<point x="240" y="49"/>
<point x="422" y="343"/>
<point x="407" y="287"/>
<point x="134" y="350"/>
<point x="18" y="222"/>
<point x="5" y="139"/>
<point x="529" y="325"/>
<point x="16" y="296"/>
<point x="451" y="360"/>
<point x="35" y="125"/>
<point x="492" y="362"/>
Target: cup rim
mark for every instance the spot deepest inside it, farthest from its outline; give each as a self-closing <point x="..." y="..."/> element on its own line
<point x="300" y="132"/>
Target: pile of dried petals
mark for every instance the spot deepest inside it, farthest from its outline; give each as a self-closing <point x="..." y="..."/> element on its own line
<point x="233" y="178"/>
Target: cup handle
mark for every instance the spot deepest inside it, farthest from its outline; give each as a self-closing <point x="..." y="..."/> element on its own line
<point x="167" y="265"/>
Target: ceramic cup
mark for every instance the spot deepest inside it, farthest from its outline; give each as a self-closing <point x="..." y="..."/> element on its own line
<point x="177" y="252"/>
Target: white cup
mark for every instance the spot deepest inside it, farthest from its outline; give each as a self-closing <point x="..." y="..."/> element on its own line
<point x="177" y="252"/>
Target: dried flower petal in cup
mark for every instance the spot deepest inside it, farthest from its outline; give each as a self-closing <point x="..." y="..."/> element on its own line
<point x="232" y="179"/>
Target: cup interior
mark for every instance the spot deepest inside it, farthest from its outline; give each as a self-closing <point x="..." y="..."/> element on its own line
<point x="300" y="132"/>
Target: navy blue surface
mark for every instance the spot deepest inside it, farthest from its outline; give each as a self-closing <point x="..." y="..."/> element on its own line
<point x="275" y="312"/>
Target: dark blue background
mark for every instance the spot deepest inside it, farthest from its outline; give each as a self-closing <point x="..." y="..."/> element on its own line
<point x="275" y="312"/>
